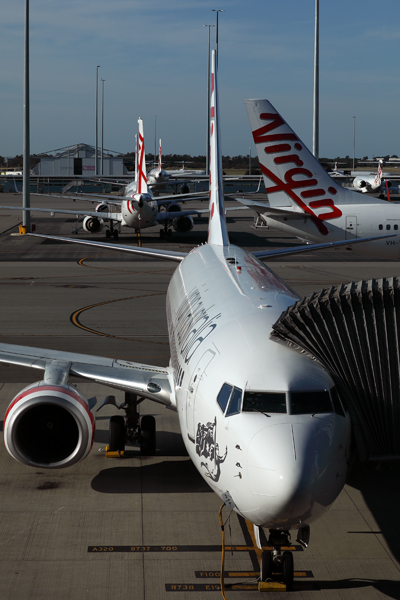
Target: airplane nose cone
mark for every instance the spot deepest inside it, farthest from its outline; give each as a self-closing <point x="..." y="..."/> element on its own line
<point x="290" y="468"/>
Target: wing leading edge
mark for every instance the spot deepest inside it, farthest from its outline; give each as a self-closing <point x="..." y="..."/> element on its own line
<point x="145" y="380"/>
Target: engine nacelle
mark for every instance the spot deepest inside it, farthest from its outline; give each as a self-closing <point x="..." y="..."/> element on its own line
<point x="359" y="183"/>
<point x="93" y="224"/>
<point x="174" y="208"/>
<point x="49" y="426"/>
<point x="183" y="224"/>
<point x="102" y="207"/>
<point x="185" y="189"/>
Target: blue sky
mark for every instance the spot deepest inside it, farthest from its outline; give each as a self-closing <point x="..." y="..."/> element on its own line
<point x="153" y="57"/>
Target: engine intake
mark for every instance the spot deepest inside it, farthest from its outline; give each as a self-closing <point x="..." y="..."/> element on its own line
<point x="183" y="224"/>
<point x="49" y="426"/>
<point x="93" y="224"/>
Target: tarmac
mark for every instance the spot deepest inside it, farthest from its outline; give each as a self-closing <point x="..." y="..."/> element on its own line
<point x="147" y="527"/>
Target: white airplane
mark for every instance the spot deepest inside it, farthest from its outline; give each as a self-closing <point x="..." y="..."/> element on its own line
<point x="254" y="415"/>
<point x="303" y="199"/>
<point x="159" y="178"/>
<point x="369" y="183"/>
<point x="138" y="209"/>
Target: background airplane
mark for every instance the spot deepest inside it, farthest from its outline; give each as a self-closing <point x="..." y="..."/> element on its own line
<point x="371" y="183"/>
<point x="137" y="209"/>
<point x="254" y="415"/>
<point x="304" y="200"/>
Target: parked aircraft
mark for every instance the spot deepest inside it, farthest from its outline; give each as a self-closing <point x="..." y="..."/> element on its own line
<point x="370" y="183"/>
<point x="158" y="177"/>
<point x="138" y="209"/>
<point x="264" y="426"/>
<point x="304" y="201"/>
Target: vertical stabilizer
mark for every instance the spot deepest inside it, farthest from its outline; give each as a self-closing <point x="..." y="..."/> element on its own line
<point x="141" y="176"/>
<point x="293" y="177"/>
<point x="136" y="157"/>
<point x="378" y="178"/>
<point x="217" y="233"/>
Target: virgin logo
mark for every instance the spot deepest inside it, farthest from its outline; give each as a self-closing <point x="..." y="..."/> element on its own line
<point x="299" y="183"/>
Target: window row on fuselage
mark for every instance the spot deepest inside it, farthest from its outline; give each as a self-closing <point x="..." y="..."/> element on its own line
<point x="388" y="226"/>
<point x="233" y="401"/>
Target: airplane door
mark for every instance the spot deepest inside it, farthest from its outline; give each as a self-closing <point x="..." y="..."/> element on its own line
<point x="197" y="375"/>
<point x="351" y="227"/>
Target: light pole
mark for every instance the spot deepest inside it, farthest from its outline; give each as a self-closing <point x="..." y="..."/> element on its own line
<point x="26" y="179"/>
<point x="102" y="122"/>
<point x="96" y="115"/>
<point x="217" y="10"/>
<point x="316" y="83"/>
<point x="354" y="141"/>
<point x="208" y="102"/>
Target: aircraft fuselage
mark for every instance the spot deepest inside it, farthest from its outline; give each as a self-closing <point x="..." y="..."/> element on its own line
<point x="357" y="220"/>
<point x="281" y="470"/>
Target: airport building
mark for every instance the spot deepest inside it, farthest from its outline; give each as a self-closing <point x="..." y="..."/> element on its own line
<point x="79" y="160"/>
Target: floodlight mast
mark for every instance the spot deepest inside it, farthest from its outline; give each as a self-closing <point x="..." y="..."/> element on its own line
<point x="26" y="179"/>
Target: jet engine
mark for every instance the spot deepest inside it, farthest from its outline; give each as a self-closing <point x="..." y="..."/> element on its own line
<point x="49" y="426"/>
<point x="102" y="207"/>
<point x="93" y="224"/>
<point x="185" y="188"/>
<point x="183" y="224"/>
<point x="174" y="208"/>
<point x="359" y="183"/>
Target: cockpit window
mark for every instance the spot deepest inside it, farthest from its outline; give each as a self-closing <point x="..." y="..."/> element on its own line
<point x="269" y="402"/>
<point x="304" y="403"/>
<point x="234" y="404"/>
<point x="223" y="396"/>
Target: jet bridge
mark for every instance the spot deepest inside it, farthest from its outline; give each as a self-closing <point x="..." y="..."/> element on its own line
<point x="352" y="330"/>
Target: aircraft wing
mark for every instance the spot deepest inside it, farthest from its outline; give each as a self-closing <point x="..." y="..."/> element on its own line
<point x="145" y="380"/>
<point x="265" y="254"/>
<point x="77" y="213"/>
<point x="111" y="199"/>
<point x="149" y="252"/>
<point x="169" y="216"/>
<point x="275" y="213"/>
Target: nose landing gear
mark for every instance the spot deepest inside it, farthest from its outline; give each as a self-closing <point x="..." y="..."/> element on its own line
<point x="132" y="428"/>
<point x="277" y="562"/>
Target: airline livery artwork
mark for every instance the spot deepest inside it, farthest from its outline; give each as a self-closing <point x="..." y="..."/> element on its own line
<point x="207" y="446"/>
<point x="296" y="178"/>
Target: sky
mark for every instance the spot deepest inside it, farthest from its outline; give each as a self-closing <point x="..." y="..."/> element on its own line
<point x="153" y="58"/>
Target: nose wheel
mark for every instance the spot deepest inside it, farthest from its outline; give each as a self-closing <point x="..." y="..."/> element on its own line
<point x="277" y="563"/>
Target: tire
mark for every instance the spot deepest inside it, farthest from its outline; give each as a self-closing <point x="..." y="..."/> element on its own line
<point x="108" y="234"/>
<point x="148" y="435"/>
<point x="288" y="570"/>
<point x="266" y="565"/>
<point x="117" y="434"/>
<point x="169" y="233"/>
<point x="115" y="234"/>
<point x="162" y="233"/>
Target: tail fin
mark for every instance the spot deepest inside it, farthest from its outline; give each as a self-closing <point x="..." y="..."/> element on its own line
<point x="217" y="232"/>
<point x="378" y="178"/>
<point x="136" y="157"/>
<point x="159" y="155"/>
<point x="142" y="176"/>
<point x="293" y="177"/>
